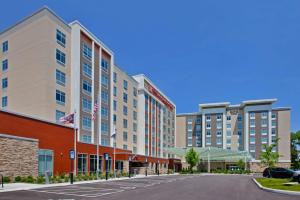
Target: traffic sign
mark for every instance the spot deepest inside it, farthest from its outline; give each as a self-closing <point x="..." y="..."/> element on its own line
<point x="72" y="154"/>
<point x="106" y="156"/>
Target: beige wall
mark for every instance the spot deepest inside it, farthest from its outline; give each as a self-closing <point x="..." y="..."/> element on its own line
<point x="284" y="133"/>
<point x="32" y="66"/>
<point x="181" y="131"/>
<point x="121" y="76"/>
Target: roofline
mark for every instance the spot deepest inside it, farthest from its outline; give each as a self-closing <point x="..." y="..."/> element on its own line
<point x="213" y="105"/>
<point x="35" y="118"/>
<point x="93" y="36"/>
<point x="188" y="114"/>
<point x="44" y="8"/>
<point x="282" y="108"/>
<point x="259" y="101"/>
<point x="147" y="79"/>
<point x="116" y="66"/>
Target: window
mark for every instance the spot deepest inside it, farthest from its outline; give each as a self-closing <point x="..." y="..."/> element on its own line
<point x="208" y="126"/>
<point x="115" y="118"/>
<point x="134" y="91"/>
<point x="87" y="70"/>
<point x="134" y="150"/>
<point x="264" y="122"/>
<point x="252" y="123"/>
<point x="45" y="161"/>
<point x="87" y="52"/>
<point x="273" y="115"/>
<point x="115" y="77"/>
<point x="115" y="105"/>
<point x="198" y="121"/>
<point x="104" y="80"/>
<point x="87" y="87"/>
<point x="264" y="140"/>
<point x="86" y="139"/>
<point x="125" y="85"/>
<point x="4" y="83"/>
<point x="134" y="103"/>
<point x="104" y="112"/>
<point x="86" y="123"/>
<point x="104" y="64"/>
<point x="4" y="102"/>
<point x="60" y="78"/>
<point x="228" y="118"/>
<point x="273" y="131"/>
<point x="134" y="138"/>
<point x="134" y="115"/>
<point x="252" y="131"/>
<point x="60" y="57"/>
<point x="198" y="127"/>
<point x="273" y="123"/>
<point x="125" y="110"/>
<point x="60" y="97"/>
<point x="219" y="117"/>
<point x="4" y="65"/>
<point x="104" y="97"/>
<point x="252" y="140"/>
<point x="228" y="133"/>
<point x="104" y="127"/>
<point x="219" y="133"/>
<point x="219" y="141"/>
<point x="93" y="163"/>
<point x="190" y="142"/>
<point x="5" y="46"/>
<point x="190" y="120"/>
<point x="125" y="147"/>
<point x="125" y="97"/>
<point x="82" y="163"/>
<point x="60" y="38"/>
<point x="219" y="125"/>
<point x="240" y="126"/>
<point x="264" y="115"/>
<point x="252" y="148"/>
<point x="134" y="127"/>
<point x="239" y="117"/>
<point x="264" y="131"/>
<point x="208" y="141"/>
<point x="125" y="123"/>
<point x="208" y="118"/>
<point x="125" y="136"/>
<point x="252" y="115"/>
<point x="208" y="134"/>
<point x="228" y="126"/>
<point x="58" y="115"/>
<point x="115" y="91"/>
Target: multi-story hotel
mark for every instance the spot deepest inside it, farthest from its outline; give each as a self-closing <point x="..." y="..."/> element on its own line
<point x="51" y="68"/>
<point x="243" y="127"/>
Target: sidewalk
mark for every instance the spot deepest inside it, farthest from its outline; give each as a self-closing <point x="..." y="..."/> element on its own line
<point x="28" y="186"/>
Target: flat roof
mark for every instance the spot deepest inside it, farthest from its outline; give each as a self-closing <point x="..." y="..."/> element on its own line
<point x="259" y="101"/>
<point x="213" y="105"/>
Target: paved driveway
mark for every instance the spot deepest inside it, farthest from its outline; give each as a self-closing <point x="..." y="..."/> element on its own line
<point x="203" y="187"/>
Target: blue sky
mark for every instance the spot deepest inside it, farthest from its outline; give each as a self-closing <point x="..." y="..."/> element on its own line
<point x="195" y="51"/>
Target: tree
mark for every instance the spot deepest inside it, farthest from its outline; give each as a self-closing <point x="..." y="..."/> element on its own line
<point x="192" y="158"/>
<point x="295" y="141"/>
<point x="269" y="158"/>
<point x="241" y="164"/>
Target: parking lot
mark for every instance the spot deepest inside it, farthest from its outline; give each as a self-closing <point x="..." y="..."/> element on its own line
<point x="206" y="187"/>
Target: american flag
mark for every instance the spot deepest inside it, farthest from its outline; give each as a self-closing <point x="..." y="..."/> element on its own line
<point x="96" y="106"/>
<point x="68" y="119"/>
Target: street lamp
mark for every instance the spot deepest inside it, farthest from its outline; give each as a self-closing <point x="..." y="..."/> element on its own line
<point x="146" y="167"/>
<point x="114" y="135"/>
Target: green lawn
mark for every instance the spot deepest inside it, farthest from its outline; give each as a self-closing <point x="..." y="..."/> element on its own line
<point x="278" y="184"/>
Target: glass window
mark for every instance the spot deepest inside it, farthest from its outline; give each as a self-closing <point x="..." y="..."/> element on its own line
<point x="252" y="140"/>
<point x="134" y="115"/>
<point x="208" y="125"/>
<point x="219" y="133"/>
<point x="59" y="114"/>
<point x="134" y="139"/>
<point x="104" y="127"/>
<point x="252" y="122"/>
<point x="219" y="141"/>
<point x="104" y="64"/>
<point x="134" y="103"/>
<point x="104" y="112"/>
<point x="60" y="78"/>
<point x="228" y="133"/>
<point x="125" y="136"/>
<point x="104" y="97"/>
<point x="4" y="83"/>
<point x="87" y="52"/>
<point x="264" y="122"/>
<point x="82" y="163"/>
<point x="208" y="134"/>
<point x="93" y="163"/>
<point x="252" y="115"/>
<point x="86" y="139"/>
<point x="264" y="140"/>
<point x="125" y="110"/>
<point x="125" y="147"/>
<point x="45" y="161"/>
<point x="125" y="85"/>
<point x="219" y="125"/>
<point x="104" y="80"/>
<point x="239" y="117"/>
<point x="60" y="57"/>
<point x="115" y="91"/>
<point x="115" y="118"/>
<point x="219" y="117"/>
<point x="264" y="114"/>
<point x="273" y="123"/>
<point x="115" y="105"/>
<point x="4" y="102"/>
<point x="273" y="131"/>
<point x="228" y="126"/>
<point x="208" y="141"/>
<point x="273" y="115"/>
<point x="87" y="87"/>
<point x="60" y="97"/>
<point x="125" y="97"/>
<point x="198" y="127"/>
<point x="4" y="65"/>
<point x="125" y="123"/>
<point x="228" y="118"/>
<point x="115" y="77"/>
<point x="86" y="123"/>
<point x="104" y="142"/>
<point x="87" y="70"/>
<point x="5" y="46"/>
<point x="134" y="91"/>
<point x="264" y="131"/>
<point x="208" y="118"/>
<point x="252" y="131"/>
<point x="60" y="38"/>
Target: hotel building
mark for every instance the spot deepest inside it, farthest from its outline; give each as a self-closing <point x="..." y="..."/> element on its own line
<point x="50" y="68"/>
<point x="243" y="127"/>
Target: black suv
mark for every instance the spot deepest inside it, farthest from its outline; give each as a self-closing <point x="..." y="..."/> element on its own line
<point x="278" y="172"/>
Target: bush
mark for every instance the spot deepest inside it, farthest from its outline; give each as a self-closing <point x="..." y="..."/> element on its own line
<point x="30" y="179"/>
<point x="40" y="180"/>
<point x="6" y="179"/>
<point x="18" y="179"/>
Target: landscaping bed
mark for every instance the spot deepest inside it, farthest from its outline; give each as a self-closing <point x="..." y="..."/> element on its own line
<point x="278" y="184"/>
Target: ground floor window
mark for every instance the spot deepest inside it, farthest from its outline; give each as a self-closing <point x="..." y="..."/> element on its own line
<point x="93" y="163"/>
<point x="45" y="162"/>
<point x="119" y="165"/>
<point x="82" y="163"/>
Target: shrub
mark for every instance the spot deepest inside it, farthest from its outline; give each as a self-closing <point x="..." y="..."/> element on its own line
<point x="18" y="179"/>
<point x="40" y="180"/>
<point x="30" y="179"/>
<point x="6" y="179"/>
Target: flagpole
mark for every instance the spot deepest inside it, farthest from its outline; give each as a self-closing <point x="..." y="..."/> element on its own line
<point x="97" y="132"/>
<point x="75" y="144"/>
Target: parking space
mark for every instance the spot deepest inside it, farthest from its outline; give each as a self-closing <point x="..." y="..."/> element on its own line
<point x="94" y="190"/>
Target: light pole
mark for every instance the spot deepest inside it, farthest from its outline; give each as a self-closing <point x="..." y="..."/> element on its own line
<point x="146" y="167"/>
<point x="115" y="144"/>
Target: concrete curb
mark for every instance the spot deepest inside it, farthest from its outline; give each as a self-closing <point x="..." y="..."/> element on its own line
<point x="275" y="190"/>
<point x="28" y="186"/>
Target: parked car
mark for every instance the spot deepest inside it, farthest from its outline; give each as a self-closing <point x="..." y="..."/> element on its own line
<point x="279" y="172"/>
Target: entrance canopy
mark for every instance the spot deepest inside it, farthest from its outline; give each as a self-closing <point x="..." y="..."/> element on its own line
<point x="212" y="154"/>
